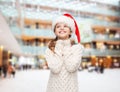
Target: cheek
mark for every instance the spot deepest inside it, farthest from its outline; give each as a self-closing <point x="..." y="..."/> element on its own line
<point x="56" y="33"/>
<point x="69" y="32"/>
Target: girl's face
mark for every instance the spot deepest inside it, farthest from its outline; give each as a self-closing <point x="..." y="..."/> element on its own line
<point x="62" y="31"/>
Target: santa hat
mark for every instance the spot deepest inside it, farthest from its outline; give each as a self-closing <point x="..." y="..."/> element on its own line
<point x="70" y="21"/>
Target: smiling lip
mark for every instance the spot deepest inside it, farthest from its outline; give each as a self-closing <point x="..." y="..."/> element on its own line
<point x="62" y="31"/>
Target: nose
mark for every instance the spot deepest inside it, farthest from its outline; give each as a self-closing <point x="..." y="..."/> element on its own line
<point x="62" y="27"/>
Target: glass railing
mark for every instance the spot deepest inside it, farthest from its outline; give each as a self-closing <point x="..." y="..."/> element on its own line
<point x="105" y="37"/>
<point x="32" y="32"/>
<point x="34" y="50"/>
<point x="8" y="11"/>
<point x="110" y="2"/>
<point x="99" y="10"/>
<point x="38" y="32"/>
<point x="104" y="23"/>
<point x="105" y="52"/>
<point x="15" y="30"/>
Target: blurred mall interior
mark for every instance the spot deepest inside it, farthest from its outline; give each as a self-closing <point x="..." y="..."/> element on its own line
<point x="25" y="30"/>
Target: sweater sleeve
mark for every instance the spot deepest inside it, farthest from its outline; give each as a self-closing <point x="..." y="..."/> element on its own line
<point x="73" y="59"/>
<point x="54" y="61"/>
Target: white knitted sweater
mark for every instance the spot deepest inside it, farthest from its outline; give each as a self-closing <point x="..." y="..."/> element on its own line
<point x="63" y="65"/>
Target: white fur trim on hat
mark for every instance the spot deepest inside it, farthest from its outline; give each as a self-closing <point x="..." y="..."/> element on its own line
<point x="64" y="19"/>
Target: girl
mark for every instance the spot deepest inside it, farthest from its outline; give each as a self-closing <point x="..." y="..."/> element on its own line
<point x="63" y="56"/>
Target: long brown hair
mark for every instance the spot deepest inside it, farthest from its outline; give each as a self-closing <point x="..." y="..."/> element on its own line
<point x="52" y="43"/>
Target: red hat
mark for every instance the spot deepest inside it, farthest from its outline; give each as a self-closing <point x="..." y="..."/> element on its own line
<point x="70" y="21"/>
